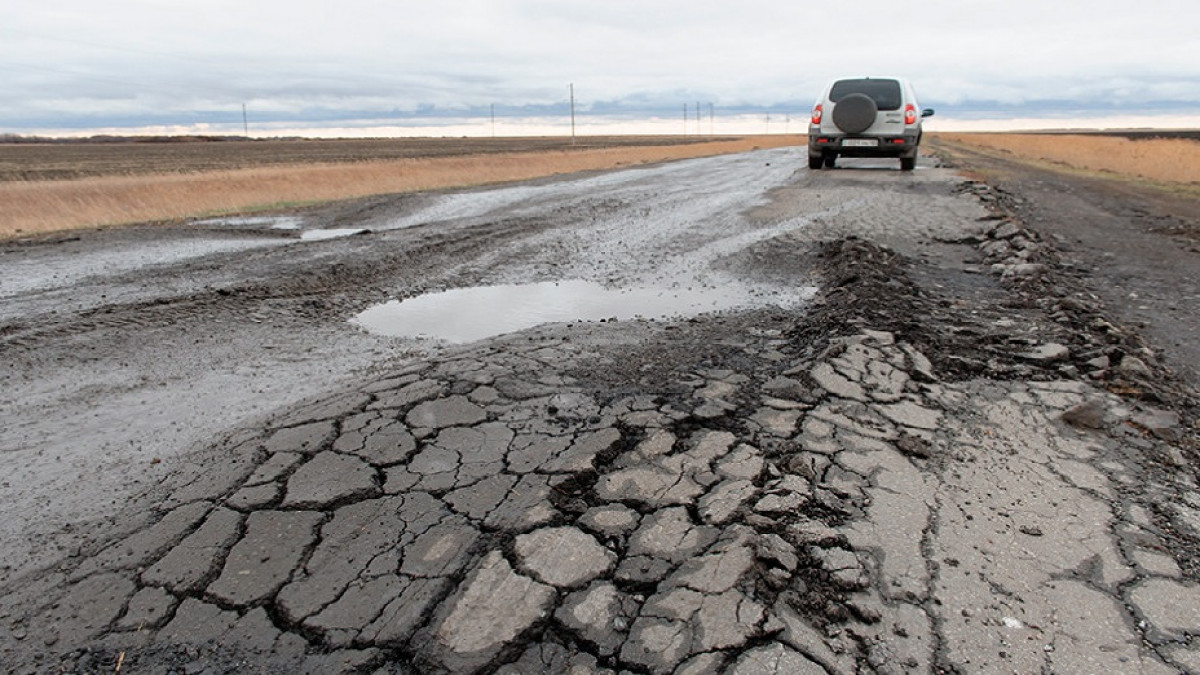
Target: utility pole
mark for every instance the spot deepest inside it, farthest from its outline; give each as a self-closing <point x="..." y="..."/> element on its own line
<point x="685" y="119"/>
<point x="572" y="113"/>
<point x="245" y="122"/>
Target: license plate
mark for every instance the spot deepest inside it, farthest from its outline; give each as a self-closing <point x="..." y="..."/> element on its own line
<point x="860" y="143"/>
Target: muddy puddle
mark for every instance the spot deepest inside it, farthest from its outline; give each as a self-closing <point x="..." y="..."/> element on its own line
<point x="255" y="222"/>
<point x="332" y="233"/>
<point x="291" y="223"/>
<point x="469" y="314"/>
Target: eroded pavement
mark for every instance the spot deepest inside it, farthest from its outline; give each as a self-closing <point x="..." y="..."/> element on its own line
<point x="746" y="493"/>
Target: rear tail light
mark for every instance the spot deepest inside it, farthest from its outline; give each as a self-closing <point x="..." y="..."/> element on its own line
<point x="819" y="110"/>
<point x="910" y="114"/>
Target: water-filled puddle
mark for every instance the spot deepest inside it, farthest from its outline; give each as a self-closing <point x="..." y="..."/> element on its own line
<point x="468" y="314"/>
<point x="332" y="233"/>
<point x="256" y="222"/>
<point x="294" y="223"/>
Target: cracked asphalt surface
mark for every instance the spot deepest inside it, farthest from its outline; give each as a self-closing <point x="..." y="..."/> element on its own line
<point x="955" y="458"/>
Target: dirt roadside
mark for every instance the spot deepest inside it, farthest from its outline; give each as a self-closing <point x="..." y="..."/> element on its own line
<point x="965" y="457"/>
<point x="1134" y="245"/>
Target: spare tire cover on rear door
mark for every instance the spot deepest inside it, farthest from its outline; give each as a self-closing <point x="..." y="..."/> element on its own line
<point x="855" y="113"/>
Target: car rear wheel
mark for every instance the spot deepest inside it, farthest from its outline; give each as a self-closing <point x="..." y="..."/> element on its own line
<point x="908" y="163"/>
<point x="814" y="161"/>
<point x="830" y="161"/>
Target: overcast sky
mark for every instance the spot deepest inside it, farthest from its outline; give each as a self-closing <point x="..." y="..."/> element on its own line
<point x="70" y="63"/>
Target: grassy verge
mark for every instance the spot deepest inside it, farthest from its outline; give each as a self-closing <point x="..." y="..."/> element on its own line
<point x="38" y="206"/>
<point x="1169" y="163"/>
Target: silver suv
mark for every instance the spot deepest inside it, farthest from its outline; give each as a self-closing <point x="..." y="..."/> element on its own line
<point x="866" y="117"/>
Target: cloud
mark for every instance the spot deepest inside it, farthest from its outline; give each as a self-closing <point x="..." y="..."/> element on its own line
<point x="68" y="59"/>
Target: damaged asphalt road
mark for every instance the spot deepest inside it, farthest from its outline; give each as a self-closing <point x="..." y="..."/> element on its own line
<point x="953" y="459"/>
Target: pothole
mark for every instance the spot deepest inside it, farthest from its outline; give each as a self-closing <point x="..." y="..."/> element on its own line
<point x="469" y="314"/>
<point x="332" y="233"/>
<point x="256" y="222"/>
<point x="291" y="223"/>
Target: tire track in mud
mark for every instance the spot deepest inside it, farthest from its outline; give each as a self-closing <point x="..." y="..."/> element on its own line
<point x="333" y="292"/>
<point x="484" y="238"/>
<point x="451" y="240"/>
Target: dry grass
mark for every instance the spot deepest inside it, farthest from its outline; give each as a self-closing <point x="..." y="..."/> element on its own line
<point x="28" y="207"/>
<point x="66" y="160"/>
<point x="1165" y="160"/>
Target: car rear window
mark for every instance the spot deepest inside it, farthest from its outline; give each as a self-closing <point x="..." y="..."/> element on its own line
<point x="885" y="93"/>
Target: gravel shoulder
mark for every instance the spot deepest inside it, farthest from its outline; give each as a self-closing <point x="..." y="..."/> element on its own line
<point x="964" y="455"/>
